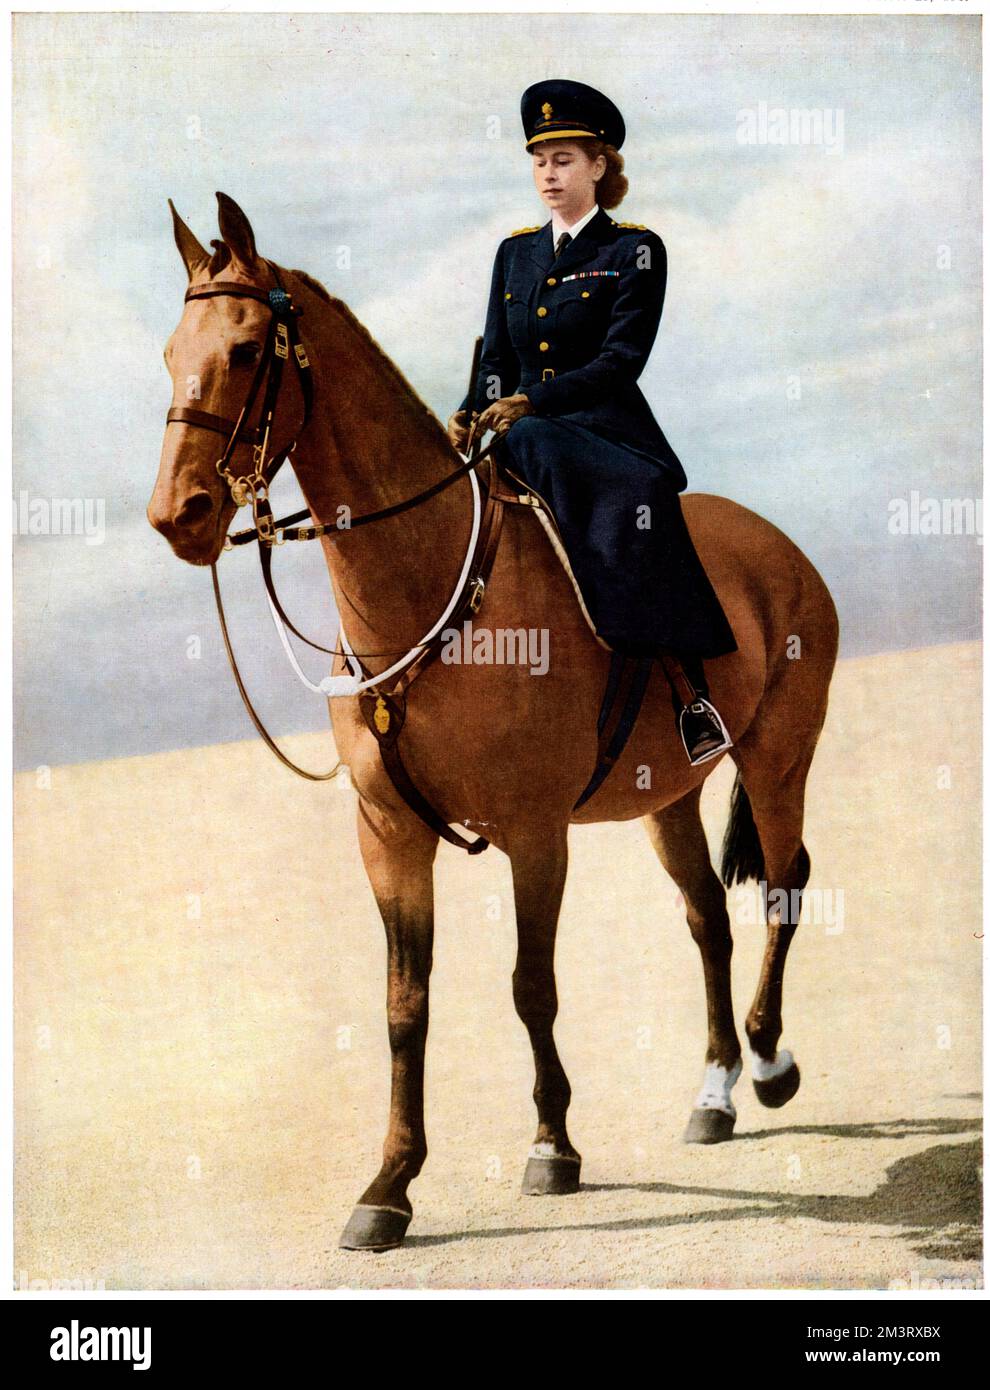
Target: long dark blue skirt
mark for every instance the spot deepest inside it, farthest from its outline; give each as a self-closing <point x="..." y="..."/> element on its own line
<point x="620" y="519"/>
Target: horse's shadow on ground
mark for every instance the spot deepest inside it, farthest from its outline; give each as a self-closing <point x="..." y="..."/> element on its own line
<point x="933" y="1197"/>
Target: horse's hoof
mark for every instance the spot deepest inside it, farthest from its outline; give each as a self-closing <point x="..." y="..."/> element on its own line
<point x="779" y="1090"/>
<point x="709" y="1127"/>
<point x="547" y="1176"/>
<point x="375" y="1228"/>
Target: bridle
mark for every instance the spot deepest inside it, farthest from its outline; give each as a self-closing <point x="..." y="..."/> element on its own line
<point x="281" y="339"/>
<point x="282" y="335"/>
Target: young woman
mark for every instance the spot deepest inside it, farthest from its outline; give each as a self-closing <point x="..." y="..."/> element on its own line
<point x="572" y="316"/>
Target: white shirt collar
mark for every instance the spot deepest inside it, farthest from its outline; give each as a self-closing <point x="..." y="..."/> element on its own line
<point x="559" y="227"/>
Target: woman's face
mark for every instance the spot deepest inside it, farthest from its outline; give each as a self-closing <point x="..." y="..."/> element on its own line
<point x="565" y="177"/>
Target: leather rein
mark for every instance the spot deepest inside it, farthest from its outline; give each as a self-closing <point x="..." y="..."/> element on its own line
<point x="383" y="709"/>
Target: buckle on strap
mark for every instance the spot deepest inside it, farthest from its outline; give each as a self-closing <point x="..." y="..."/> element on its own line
<point x="477" y="595"/>
<point x="548" y="374"/>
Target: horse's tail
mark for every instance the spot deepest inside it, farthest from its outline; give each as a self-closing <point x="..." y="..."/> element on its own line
<point x="742" y="856"/>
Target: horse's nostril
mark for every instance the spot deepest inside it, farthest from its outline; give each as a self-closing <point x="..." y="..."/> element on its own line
<point x="159" y="520"/>
<point x="194" y="509"/>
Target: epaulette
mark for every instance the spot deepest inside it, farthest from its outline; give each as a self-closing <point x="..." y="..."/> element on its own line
<point x="523" y="230"/>
<point x="632" y="226"/>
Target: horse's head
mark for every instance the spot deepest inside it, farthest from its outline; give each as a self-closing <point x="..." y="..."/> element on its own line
<point x="213" y="359"/>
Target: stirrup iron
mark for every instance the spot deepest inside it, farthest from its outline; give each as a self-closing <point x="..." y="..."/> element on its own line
<point x="701" y="706"/>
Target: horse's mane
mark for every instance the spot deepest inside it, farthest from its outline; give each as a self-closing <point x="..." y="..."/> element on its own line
<point x="405" y="388"/>
<point x="311" y="282"/>
<point x="221" y="258"/>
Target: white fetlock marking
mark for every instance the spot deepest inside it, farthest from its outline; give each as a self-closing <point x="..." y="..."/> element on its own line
<point x="544" y="1149"/>
<point x="716" y="1091"/>
<point x="769" y="1071"/>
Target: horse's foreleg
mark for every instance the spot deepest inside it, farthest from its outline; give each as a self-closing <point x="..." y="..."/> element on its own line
<point x="678" y="837"/>
<point x="539" y="870"/>
<point x="399" y="865"/>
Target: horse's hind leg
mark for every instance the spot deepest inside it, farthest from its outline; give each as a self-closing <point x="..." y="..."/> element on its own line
<point x="764" y="839"/>
<point x="539" y="869"/>
<point x="778" y="816"/>
<point x="398" y="858"/>
<point x="679" y="839"/>
<point x="768" y="819"/>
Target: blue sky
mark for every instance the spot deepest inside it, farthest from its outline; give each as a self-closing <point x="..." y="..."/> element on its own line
<point x="850" y="273"/>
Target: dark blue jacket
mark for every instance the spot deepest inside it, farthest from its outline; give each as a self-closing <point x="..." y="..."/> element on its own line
<point x="574" y="334"/>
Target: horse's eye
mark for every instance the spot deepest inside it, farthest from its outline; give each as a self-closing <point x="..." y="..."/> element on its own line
<point x="245" y="354"/>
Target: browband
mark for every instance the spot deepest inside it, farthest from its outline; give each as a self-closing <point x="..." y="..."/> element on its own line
<point x="228" y="287"/>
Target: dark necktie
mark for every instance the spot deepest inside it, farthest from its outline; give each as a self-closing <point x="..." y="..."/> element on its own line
<point x="562" y="241"/>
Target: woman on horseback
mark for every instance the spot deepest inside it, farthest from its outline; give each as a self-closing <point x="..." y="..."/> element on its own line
<point x="572" y="316"/>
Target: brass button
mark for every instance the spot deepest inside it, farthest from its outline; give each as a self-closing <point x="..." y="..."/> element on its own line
<point x="541" y="312"/>
<point x="508" y="296"/>
<point x="551" y="281"/>
<point x="544" y="347"/>
<point x="585" y="294"/>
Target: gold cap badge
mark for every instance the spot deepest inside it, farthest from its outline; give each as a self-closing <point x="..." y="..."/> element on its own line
<point x="547" y="110"/>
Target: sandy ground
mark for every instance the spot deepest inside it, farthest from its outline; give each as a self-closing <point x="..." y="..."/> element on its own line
<point x="202" y="1062"/>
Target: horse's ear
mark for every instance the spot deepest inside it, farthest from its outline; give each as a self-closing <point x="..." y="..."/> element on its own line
<point x="236" y="232"/>
<point x="194" y="258"/>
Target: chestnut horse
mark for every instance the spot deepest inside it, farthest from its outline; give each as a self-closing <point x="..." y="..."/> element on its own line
<point x="495" y="747"/>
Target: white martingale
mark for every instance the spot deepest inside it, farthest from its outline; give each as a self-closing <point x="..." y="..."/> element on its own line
<point x="716" y="1092"/>
<point x="337" y="687"/>
<point x="769" y="1071"/>
<point x="287" y="646"/>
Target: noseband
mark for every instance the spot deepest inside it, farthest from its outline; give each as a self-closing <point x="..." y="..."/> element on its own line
<point x="283" y="334"/>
